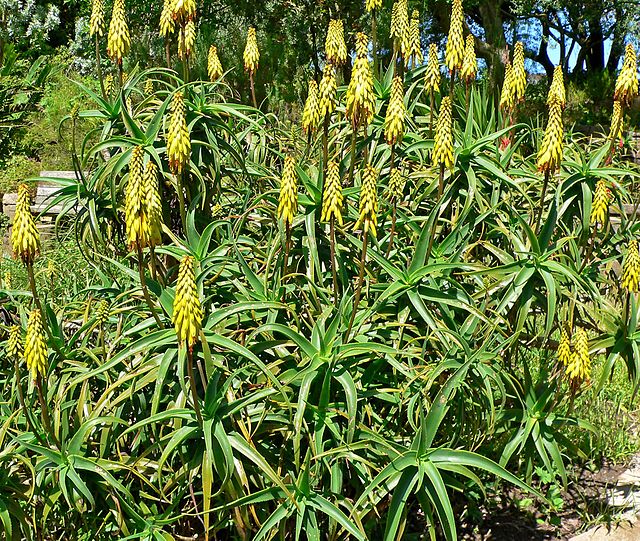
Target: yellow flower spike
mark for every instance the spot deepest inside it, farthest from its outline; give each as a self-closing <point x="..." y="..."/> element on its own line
<point x="335" y="45"/>
<point x="328" y="91"/>
<point x="443" y="141"/>
<point x="332" y="197"/>
<point x="600" y="206"/>
<point x="631" y="267"/>
<point x="394" y="121"/>
<point x="372" y="5"/>
<point x="214" y="67"/>
<point x="454" y="54"/>
<point x="251" y="54"/>
<point x="507" y="96"/>
<point x="470" y="63"/>
<point x="183" y="10"/>
<point x="288" y="200"/>
<point x="368" y="216"/>
<point x="118" y="41"/>
<point x="14" y="346"/>
<point x="148" y="87"/>
<point x="519" y="73"/>
<point x="96" y="22"/>
<point x="399" y="22"/>
<point x="415" y="50"/>
<point x="35" y="346"/>
<point x="102" y="313"/>
<point x="617" y="120"/>
<point x="396" y="185"/>
<point x="108" y="85"/>
<point x="187" y="310"/>
<point x="550" y="152"/>
<point x="167" y="23"/>
<point x="360" y="98"/>
<point x="25" y="238"/>
<point x="136" y="218"/>
<point x="189" y="37"/>
<point x="564" y="348"/>
<point x="178" y="142"/>
<point x="153" y="203"/>
<point x="557" y="93"/>
<point x="7" y="280"/>
<point x="311" y="112"/>
<point x="432" y="75"/>
<point x="579" y="367"/>
<point x="627" y="82"/>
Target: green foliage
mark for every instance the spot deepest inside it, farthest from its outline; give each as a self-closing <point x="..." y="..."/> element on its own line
<point x="312" y="405"/>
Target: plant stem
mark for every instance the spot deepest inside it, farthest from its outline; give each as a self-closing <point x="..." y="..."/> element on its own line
<point x="542" y="196"/>
<point x="591" y="246"/>
<point x="45" y="411"/>
<point x="181" y="202"/>
<point x="334" y="271"/>
<point x="452" y="83"/>
<point x="32" y="285"/>
<point x="192" y="383"/>
<point x="441" y="181"/>
<point x="99" y="68"/>
<point x="356" y="300"/>
<point x="145" y="289"/>
<point x="352" y="161"/>
<point x="253" y="90"/>
<point x="167" y="52"/>
<point x="287" y="248"/>
<point x="466" y="98"/>
<point x="393" y="228"/>
<point x="435" y="221"/>
<point x="432" y="103"/>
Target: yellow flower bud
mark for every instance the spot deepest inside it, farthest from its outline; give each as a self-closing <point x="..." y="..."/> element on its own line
<point x="617" y="119"/>
<point x="557" y="93"/>
<point x="470" y="63"/>
<point x="335" y="45"/>
<point x="35" y="346"/>
<point x="178" y="142"/>
<point x="579" y="367"/>
<point x="368" y="216"/>
<point x="414" y="50"/>
<point x="601" y="201"/>
<point x="14" y="347"/>
<point x="251" y="53"/>
<point x="432" y="75"/>
<point x="454" y="54"/>
<point x="214" y="67"/>
<point x="550" y="153"/>
<point x="328" y="91"/>
<point x="360" y="98"/>
<point x="118" y="41"/>
<point x="373" y="4"/>
<point x="394" y="121"/>
<point x="396" y="185"/>
<point x="96" y="22"/>
<point x="443" y="140"/>
<point x="187" y="311"/>
<point x="564" y="348"/>
<point x="25" y="238"/>
<point x="332" y="197"/>
<point x="311" y="112"/>
<point x="183" y="10"/>
<point x="627" y="82"/>
<point x="167" y="23"/>
<point x="519" y="73"/>
<point x="288" y="200"/>
<point x="631" y="267"/>
<point x="507" y="96"/>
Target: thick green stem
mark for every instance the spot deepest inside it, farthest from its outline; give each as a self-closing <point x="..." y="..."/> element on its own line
<point x="356" y="300"/>
<point x="45" y="410"/>
<point x="334" y="270"/>
<point x="352" y="161"/>
<point x="145" y="289"/>
<point x="542" y="196"/>
<point x="192" y="383"/>
<point x="432" y="104"/>
<point x="253" y="90"/>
